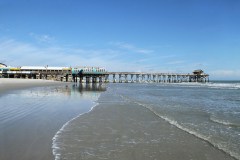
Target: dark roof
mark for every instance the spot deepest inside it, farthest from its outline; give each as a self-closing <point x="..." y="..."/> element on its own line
<point x="3" y="64"/>
<point x="198" y="70"/>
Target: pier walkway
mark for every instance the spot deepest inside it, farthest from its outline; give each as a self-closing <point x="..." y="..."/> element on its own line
<point x="126" y="77"/>
<point x="140" y="77"/>
<point x="98" y="75"/>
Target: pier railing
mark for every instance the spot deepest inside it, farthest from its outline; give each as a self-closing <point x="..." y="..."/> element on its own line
<point x="105" y="77"/>
<point x="140" y="77"/>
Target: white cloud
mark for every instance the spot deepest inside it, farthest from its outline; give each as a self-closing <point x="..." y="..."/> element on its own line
<point x="176" y="62"/>
<point x="225" y="74"/>
<point x="16" y="53"/>
<point x="131" y="47"/>
<point x="44" y="38"/>
<point x="19" y="54"/>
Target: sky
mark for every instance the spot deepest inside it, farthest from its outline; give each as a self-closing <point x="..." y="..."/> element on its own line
<point x="170" y="36"/>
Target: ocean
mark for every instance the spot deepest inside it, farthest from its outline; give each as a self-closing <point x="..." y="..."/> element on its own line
<point x="208" y="111"/>
<point x="122" y="121"/>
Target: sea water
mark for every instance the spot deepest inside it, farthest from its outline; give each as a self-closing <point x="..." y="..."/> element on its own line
<point x="30" y="118"/>
<point x="209" y="111"/>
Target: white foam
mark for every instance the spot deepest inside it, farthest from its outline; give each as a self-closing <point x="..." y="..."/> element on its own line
<point x="55" y="147"/>
<point x="213" y="85"/>
<point x="192" y="132"/>
<point x="223" y="122"/>
<point x="224" y="85"/>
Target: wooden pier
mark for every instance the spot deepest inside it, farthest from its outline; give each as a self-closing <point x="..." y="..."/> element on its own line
<point x="140" y="77"/>
<point x="133" y="77"/>
<point x="98" y="75"/>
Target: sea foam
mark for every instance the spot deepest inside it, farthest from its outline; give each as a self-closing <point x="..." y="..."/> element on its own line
<point x="192" y="132"/>
<point x="56" y="149"/>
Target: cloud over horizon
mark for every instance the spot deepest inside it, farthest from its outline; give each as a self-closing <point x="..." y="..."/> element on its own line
<point x="113" y="58"/>
<point x="21" y="53"/>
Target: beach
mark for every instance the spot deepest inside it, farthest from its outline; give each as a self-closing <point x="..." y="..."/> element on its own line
<point x="31" y="112"/>
<point x="119" y="128"/>
<point x="49" y="120"/>
<point x="7" y="84"/>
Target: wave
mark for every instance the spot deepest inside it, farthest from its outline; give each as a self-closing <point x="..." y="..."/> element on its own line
<point x="224" y="85"/>
<point x="189" y="131"/>
<point x="55" y="147"/>
<point x="213" y="85"/>
<point x="223" y="122"/>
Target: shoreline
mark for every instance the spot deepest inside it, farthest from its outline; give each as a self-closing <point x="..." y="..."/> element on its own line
<point x="28" y="129"/>
<point x="178" y="126"/>
<point x="123" y="129"/>
<point x="54" y="139"/>
<point x="11" y="84"/>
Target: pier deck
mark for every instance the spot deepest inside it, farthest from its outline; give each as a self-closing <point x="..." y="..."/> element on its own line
<point x="99" y="75"/>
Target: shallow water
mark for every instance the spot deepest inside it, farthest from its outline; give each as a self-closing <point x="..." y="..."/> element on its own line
<point x="30" y="118"/>
<point x="210" y="112"/>
<point x="36" y="122"/>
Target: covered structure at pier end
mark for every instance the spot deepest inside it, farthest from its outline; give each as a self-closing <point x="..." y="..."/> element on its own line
<point x="199" y="76"/>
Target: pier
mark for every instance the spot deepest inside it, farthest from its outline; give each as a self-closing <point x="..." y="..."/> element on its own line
<point x="143" y="77"/>
<point x="98" y="75"/>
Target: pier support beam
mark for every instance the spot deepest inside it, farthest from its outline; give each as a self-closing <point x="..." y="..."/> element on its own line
<point x="154" y="78"/>
<point x="159" y="78"/>
<point x="80" y="79"/>
<point x="126" y="78"/>
<point x="143" y="77"/>
<point x="120" y="78"/>
<point x="94" y="79"/>
<point x="148" y="77"/>
<point x="106" y="80"/>
<point x="87" y="79"/>
<point x="114" y="78"/>
<point x="100" y="79"/>
<point x="137" y="78"/>
<point x="132" y="78"/>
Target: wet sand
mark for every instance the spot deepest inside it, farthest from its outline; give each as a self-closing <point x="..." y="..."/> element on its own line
<point x="8" y="84"/>
<point x="121" y="130"/>
<point x="29" y="137"/>
<point x="115" y="129"/>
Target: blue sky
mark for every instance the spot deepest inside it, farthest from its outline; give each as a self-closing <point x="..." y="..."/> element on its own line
<point x="126" y="35"/>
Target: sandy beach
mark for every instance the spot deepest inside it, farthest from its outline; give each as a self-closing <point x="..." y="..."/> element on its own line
<point x="7" y="84"/>
<point x="31" y="112"/>
<point x="117" y="128"/>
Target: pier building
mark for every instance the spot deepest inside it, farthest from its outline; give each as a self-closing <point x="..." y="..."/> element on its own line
<point x="89" y="74"/>
<point x="3" y="69"/>
<point x="37" y="72"/>
<point x="3" y="65"/>
<point x="98" y="75"/>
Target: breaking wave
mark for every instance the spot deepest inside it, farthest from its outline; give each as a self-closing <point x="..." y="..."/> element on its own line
<point x="190" y="131"/>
